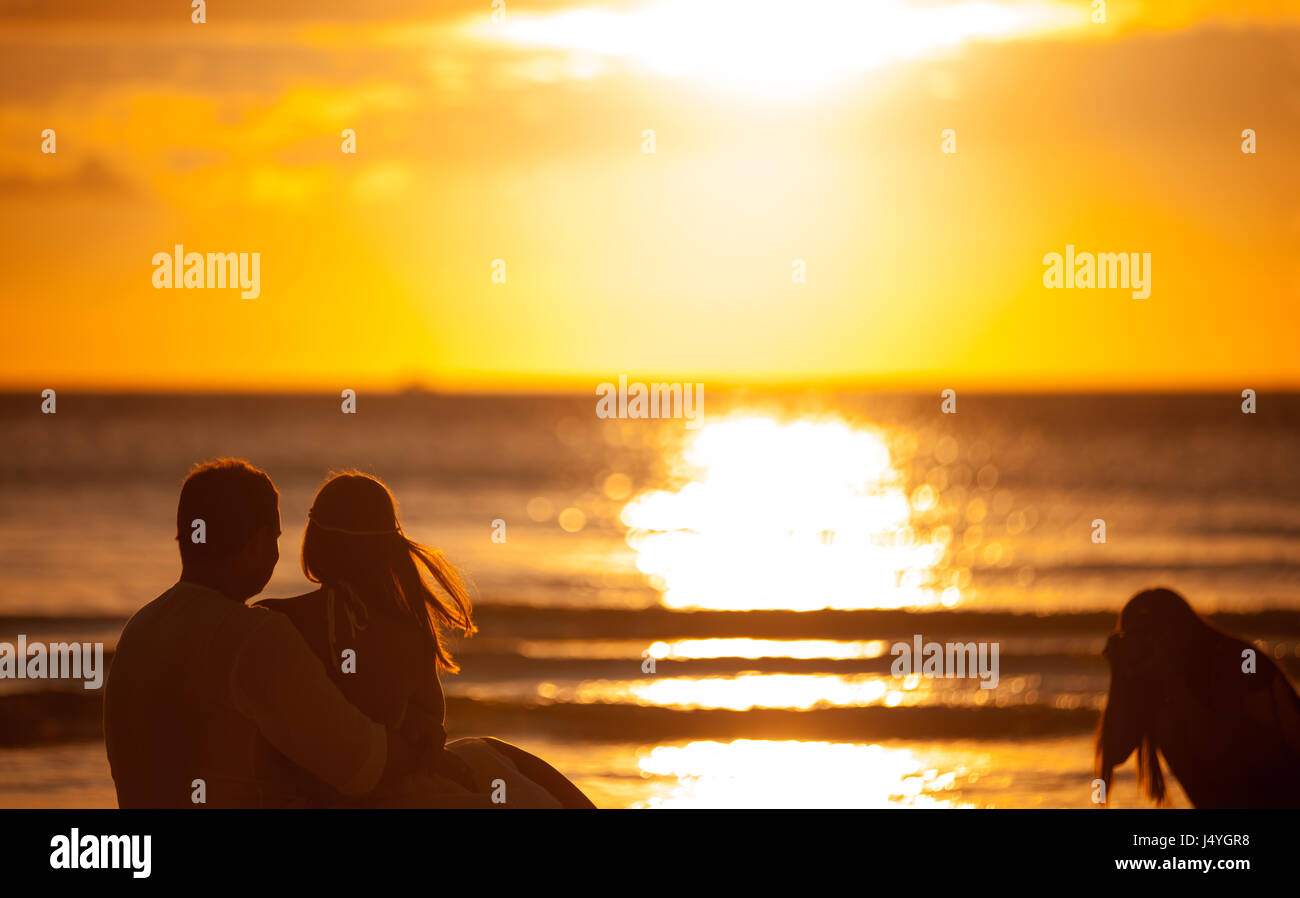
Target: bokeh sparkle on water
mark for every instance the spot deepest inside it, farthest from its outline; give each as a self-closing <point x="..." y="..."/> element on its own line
<point x="799" y="515"/>
<point x="790" y="503"/>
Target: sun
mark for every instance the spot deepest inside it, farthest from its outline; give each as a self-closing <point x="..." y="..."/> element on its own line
<point x="768" y="47"/>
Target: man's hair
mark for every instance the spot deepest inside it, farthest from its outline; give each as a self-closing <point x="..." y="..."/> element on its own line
<point x="232" y="499"/>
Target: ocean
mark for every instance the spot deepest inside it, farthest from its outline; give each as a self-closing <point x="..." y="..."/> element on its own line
<point x="701" y="614"/>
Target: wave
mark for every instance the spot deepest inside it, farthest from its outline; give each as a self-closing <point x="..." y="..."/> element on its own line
<point x="50" y="717"/>
<point x="657" y="623"/>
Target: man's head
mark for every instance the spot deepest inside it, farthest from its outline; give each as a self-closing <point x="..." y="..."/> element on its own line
<point x="228" y="527"/>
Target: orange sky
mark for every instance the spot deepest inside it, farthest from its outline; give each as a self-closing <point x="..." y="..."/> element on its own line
<point x="791" y="131"/>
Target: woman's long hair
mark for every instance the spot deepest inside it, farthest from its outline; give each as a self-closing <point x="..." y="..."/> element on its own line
<point x="354" y="542"/>
<point x="1156" y="627"/>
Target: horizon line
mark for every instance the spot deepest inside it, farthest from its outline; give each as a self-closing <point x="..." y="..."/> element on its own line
<point x="588" y="388"/>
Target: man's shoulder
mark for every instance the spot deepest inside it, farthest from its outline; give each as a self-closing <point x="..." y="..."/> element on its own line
<point x="147" y="616"/>
<point x="188" y="609"/>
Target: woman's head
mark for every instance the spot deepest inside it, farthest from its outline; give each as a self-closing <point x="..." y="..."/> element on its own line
<point x="1157" y="634"/>
<point x="353" y="539"/>
<point x="1159" y="621"/>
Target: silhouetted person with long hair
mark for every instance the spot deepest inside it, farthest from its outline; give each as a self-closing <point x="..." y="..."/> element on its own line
<point x="1221" y="713"/>
<point x="200" y="681"/>
<point x="375" y="623"/>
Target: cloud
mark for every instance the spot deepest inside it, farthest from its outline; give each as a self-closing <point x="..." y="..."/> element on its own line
<point x="91" y="178"/>
<point x="230" y="12"/>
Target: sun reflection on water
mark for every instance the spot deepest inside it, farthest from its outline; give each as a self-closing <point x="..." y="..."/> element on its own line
<point x="705" y="649"/>
<point x="762" y="774"/>
<point x="798" y="692"/>
<point x="774" y="515"/>
<point x="742" y="647"/>
<point x="745" y="691"/>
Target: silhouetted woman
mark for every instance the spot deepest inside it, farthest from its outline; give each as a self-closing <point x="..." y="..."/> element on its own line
<point x="375" y="624"/>
<point x="1228" y="726"/>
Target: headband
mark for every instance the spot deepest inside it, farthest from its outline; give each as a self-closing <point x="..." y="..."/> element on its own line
<point x="315" y="520"/>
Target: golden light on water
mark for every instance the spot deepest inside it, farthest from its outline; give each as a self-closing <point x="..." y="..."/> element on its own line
<point x="740" y="693"/>
<point x="702" y="649"/>
<point x="796" y="515"/>
<point x="756" y="773"/>
<point x="751" y="690"/>
<point x="800" y="692"/>
<point x="797" y="692"/>
<point x="808" y="649"/>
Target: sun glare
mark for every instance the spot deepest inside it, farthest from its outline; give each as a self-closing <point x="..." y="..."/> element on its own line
<point x="770" y="46"/>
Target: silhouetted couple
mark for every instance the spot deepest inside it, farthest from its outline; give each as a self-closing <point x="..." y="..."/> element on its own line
<point x="327" y="699"/>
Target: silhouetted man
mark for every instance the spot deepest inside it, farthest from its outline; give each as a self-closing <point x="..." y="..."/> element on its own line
<point x="199" y="677"/>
